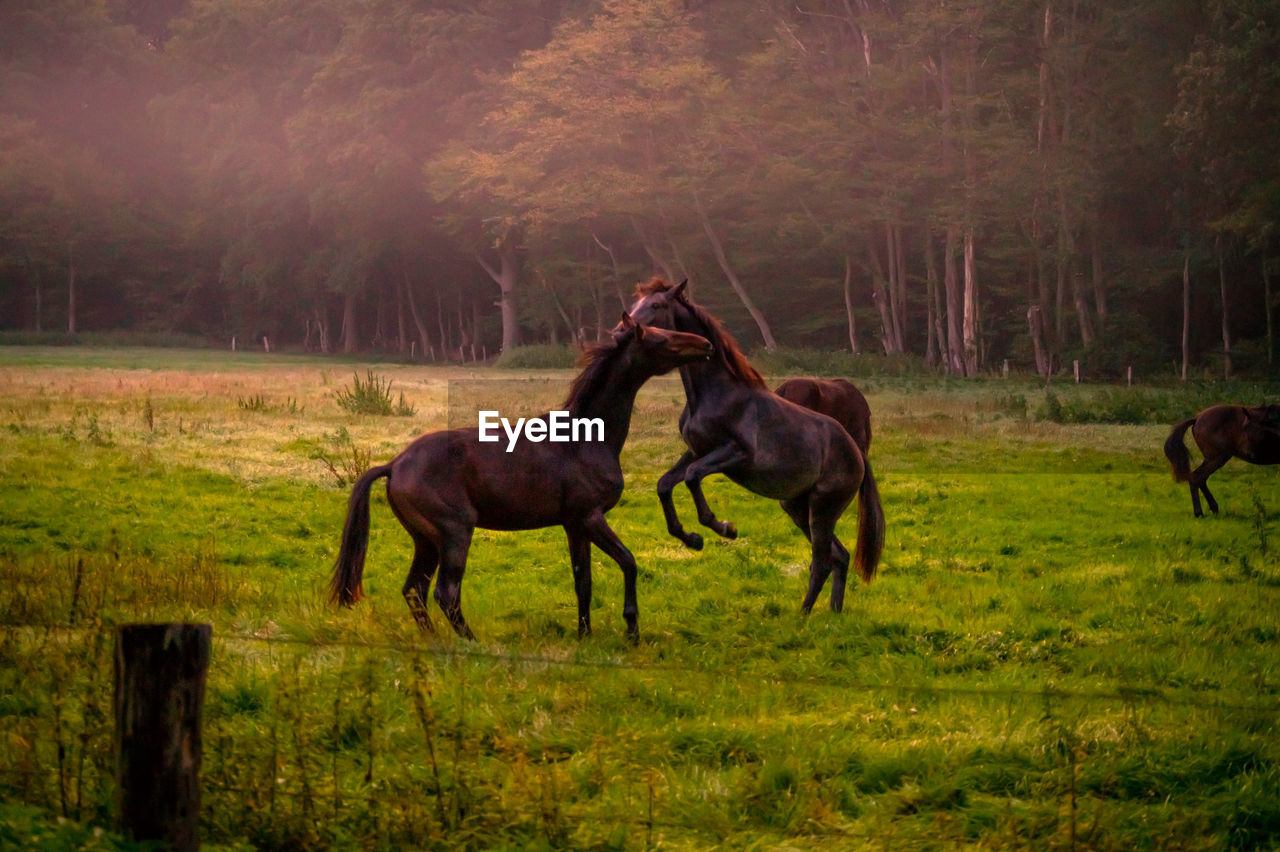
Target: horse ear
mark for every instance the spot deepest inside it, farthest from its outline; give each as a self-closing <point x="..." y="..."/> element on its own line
<point x="678" y="290"/>
<point x="627" y="321"/>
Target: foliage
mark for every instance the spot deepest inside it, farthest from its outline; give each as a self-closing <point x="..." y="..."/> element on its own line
<point x="1133" y="405"/>
<point x="327" y="173"/>
<point x="372" y="396"/>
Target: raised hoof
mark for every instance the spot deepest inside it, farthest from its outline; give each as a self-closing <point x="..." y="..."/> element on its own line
<point x="693" y="541"/>
<point x="728" y="530"/>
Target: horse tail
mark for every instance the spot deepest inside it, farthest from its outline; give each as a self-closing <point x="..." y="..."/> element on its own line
<point x="870" y="525"/>
<point x="1175" y="449"/>
<point x="345" y="587"/>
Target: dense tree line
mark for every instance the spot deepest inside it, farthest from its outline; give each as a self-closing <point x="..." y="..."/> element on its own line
<point x="964" y="181"/>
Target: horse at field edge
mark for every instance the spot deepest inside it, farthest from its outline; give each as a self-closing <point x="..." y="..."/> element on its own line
<point x="733" y="424"/>
<point x="447" y="483"/>
<point x="839" y="399"/>
<point x="1221" y="432"/>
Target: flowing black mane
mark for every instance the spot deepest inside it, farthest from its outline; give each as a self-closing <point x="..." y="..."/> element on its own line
<point x="597" y="360"/>
<point x="727" y="349"/>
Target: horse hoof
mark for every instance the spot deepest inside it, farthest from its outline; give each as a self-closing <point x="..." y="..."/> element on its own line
<point x="693" y="541"/>
<point x="730" y="531"/>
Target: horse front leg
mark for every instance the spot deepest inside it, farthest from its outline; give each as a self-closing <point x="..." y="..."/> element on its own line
<point x="666" y="484"/>
<point x="719" y="460"/>
<point x="602" y="536"/>
<point x="580" y="561"/>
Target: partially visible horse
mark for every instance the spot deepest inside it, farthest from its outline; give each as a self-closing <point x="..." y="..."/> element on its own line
<point x="836" y="398"/>
<point x="1223" y="431"/>
<point x="733" y="424"/>
<point x="445" y="484"/>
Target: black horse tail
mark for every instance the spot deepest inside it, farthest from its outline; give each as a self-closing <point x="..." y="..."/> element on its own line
<point x="870" y="525"/>
<point x="345" y="588"/>
<point x="1175" y="449"/>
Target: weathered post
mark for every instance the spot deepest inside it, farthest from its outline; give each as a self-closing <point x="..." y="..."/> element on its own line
<point x="159" y="694"/>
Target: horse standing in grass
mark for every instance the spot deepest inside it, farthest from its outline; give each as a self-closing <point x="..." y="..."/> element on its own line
<point x="733" y="424"/>
<point x="445" y="484"/>
<point x="1223" y="431"/>
<point x="837" y="398"/>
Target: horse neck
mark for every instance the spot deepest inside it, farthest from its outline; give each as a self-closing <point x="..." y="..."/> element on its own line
<point x="703" y="380"/>
<point x="613" y="402"/>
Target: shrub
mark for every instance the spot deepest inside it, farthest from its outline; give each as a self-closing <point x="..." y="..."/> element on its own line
<point x="795" y="361"/>
<point x="373" y="396"/>
<point x="542" y="356"/>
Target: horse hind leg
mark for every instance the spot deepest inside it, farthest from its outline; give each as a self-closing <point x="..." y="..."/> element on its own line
<point x="417" y="585"/>
<point x="453" y="562"/>
<point x="1199" y="481"/>
<point x="798" y="509"/>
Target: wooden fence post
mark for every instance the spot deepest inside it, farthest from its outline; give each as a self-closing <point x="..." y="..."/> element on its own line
<point x="159" y="695"/>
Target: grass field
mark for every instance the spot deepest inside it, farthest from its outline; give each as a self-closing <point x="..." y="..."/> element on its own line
<point x="1055" y="654"/>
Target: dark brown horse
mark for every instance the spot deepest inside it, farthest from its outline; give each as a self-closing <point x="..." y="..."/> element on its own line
<point x="843" y="402"/>
<point x="1223" y="431"/>
<point x="836" y="398"/>
<point x="445" y="484"/>
<point x="733" y="424"/>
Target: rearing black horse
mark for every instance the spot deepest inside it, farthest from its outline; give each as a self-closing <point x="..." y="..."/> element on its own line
<point x="733" y="424"/>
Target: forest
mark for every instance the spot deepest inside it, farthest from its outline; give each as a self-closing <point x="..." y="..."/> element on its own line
<point x="959" y="182"/>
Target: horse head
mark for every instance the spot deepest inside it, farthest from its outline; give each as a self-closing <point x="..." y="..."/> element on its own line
<point x="658" y="301"/>
<point x="662" y="350"/>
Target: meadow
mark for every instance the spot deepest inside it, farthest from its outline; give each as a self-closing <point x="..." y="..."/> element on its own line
<point x="1055" y="654"/>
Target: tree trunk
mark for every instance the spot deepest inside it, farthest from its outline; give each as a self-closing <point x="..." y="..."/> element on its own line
<point x="761" y="322"/>
<point x="951" y="283"/>
<point x="656" y="259"/>
<point x="559" y="306"/>
<point x="897" y="302"/>
<point x="1035" y="321"/>
<point x="322" y="328"/>
<point x="971" y="358"/>
<point x="71" y="294"/>
<point x="440" y="322"/>
<point x="402" y="327"/>
<point x="1226" y="326"/>
<point x="1099" y="282"/>
<point x="505" y="277"/>
<point x="848" y="303"/>
<point x="937" y="334"/>
<point x="1186" y="311"/>
<point x="883" y="301"/>
<point x="1266" y="306"/>
<point x="349" y="333"/>
<point x="423" y="337"/>
<point x="617" y="274"/>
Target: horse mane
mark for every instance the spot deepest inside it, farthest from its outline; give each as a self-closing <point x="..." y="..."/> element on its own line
<point x="595" y="360"/>
<point x="726" y="347"/>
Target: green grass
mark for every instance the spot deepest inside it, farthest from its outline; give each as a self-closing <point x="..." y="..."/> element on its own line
<point x="1054" y="655"/>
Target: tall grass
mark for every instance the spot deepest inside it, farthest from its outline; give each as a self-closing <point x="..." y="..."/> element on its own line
<point x="1054" y="653"/>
